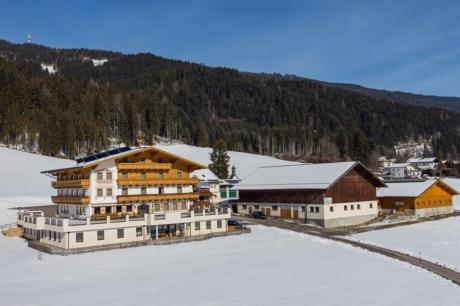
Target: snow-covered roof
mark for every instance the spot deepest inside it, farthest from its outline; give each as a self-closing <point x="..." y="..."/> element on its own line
<point x="422" y="160"/>
<point x="205" y="175"/>
<point x="400" y="165"/>
<point x="452" y="182"/>
<point x="301" y="176"/>
<point x="406" y="189"/>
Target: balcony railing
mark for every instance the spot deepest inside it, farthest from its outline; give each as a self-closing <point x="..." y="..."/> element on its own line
<point x="70" y="200"/>
<point x="157" y="197"/>
<point x="144" y="166"/>
<point x="157" y="182"/>
<point x="83" y="183"/>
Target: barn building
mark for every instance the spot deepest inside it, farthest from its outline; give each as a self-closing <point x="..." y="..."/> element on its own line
<point x="329" y="194"/>
<point x="424" y="199"/>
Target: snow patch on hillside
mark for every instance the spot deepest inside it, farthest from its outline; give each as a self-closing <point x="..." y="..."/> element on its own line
<point x="99" y="62"/>
<point x="245" y="163"/>
<point x="20" y="172"/>
<point x="51" y="69"/>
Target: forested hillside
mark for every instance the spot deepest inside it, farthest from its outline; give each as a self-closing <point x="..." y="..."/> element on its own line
<point x="80" y="107"/>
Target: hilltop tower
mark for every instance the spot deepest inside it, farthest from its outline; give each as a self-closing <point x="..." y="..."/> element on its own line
<point x="28" y="38"/>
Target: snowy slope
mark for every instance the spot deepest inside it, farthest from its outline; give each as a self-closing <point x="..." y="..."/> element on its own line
<point x="245" y="163"/>
<point x="20" y="173"/>
<point x="268" y="267"/>
<point x="437" y="241"/>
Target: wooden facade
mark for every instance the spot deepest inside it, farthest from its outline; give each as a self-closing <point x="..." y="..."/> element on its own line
<point x="437" y="195"/>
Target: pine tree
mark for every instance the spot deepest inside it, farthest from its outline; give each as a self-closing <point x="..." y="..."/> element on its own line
<point x="220" y="159"/>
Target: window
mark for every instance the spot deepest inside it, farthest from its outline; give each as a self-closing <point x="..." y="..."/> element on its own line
<point x="312" y="209"/>
<point x="245" y="207"/>
<point x="275" y="208"/>
<point x="352" y="207"/>
<point x="174" y="206"/>
<point x="166" y="206"/>
<point x="79" y="237"/>
<point x="179" y="189"/>
<point x="331" y="208"/>
<point x="124" y="191"/>
<point x="256" y="207"/>
<point x="138" y="231"/>
<point x="358" y="206"/>
<point x="100" y="235"/>
<point x="99" y="176"/>
<point x="120" y="233"/>
<point x="208" y="224"/>
<point x="370" y="205"/>
<point x="99" y="192"/>
<point x="179" y="174"/>
<point x="119" y="209"/>
<point x="161" y="190"/>
<point x="108" y="175"/>
<point x="109" y="192"/>
<point x="124" y="175"/>
<point x="197" y="226"/>
<point x="157" y="207"/>
<point x="129" y="208"/>
<point x="345" y="207"/>
<point x="303" y="208"/>
<point x="143" y="190"/>
<point x="317" y="209"/>
<point x="219" y="223"/>
<point x="143" y="175"/>
<point x="183" y="206"/>
<point x="161" y="174"/>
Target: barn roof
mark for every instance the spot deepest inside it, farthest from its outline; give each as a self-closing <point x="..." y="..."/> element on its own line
<point x="411" y="189"/>
<point x="301" y="176"/>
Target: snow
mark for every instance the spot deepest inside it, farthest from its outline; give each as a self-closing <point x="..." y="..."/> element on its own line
<point x="21" y="172"/>
<point x="438" y="241"/>
<point x="99" y="62"/>
<point x="455" y="184"/>
<point x="205" y="175"/>
<point x="404" y="189"/>
<point x="245" y="163"/>
<point x="51" y="69"/>
<point x="267" y="267"/>
<point x="301" y="176"/>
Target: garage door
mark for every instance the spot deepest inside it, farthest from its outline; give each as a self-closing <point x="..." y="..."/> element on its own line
<point x="286" y="213"/>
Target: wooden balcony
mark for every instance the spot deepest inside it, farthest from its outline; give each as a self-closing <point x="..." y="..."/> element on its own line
<point x="157" y="197"/>
<point x="144" y="166"/>
<point x="158" y="182"/>
<point x="83" y="183"/>
<point x="70" y="200"/>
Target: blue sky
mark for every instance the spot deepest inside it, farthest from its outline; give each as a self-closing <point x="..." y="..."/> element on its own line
<point x="399" y="45"/>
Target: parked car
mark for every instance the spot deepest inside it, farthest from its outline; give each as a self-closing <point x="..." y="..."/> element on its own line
<point x="258" y="215"/>
<point x="235" y="223"/>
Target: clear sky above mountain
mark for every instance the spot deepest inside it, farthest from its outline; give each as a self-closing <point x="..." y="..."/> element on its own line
<point x="400" y="45"/>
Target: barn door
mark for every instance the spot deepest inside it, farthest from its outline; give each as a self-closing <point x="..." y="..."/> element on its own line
<point x="250" y="210"/>
<point x="296" y="213"/>
<point x="286" y="213"/>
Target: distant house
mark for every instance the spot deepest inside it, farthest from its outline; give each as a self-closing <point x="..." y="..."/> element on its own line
<point x="329" y="194"/>
<point x="385" y="163"/>
<point x="428" y="198"/>
<point x="428" y="163"/>
<point x="401" y="170"/>
<point x="215" y="190"/>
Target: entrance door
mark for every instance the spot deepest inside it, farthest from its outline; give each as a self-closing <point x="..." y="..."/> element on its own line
<point x="296" y="213"/>
<point x="267" y="211"/>
<point x="286" y="213"/>
<point x="250" y="210"/>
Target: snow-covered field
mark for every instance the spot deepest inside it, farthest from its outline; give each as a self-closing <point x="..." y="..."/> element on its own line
<point x="267" y="267"/>
<point x="245" y="163"/>
<point x="438" y="241"/>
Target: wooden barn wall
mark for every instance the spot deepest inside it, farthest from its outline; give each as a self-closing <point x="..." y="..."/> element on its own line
<point x="353" y="187"/>
<point x="281" y="196"/>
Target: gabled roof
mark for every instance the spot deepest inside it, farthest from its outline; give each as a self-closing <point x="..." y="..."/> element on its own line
<point x="452" y="182"/>
<point x="300" y="176"/>
<point x="103" y="157"/>
<point x="410" y="189"/>
<point x="423" y="160"/>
